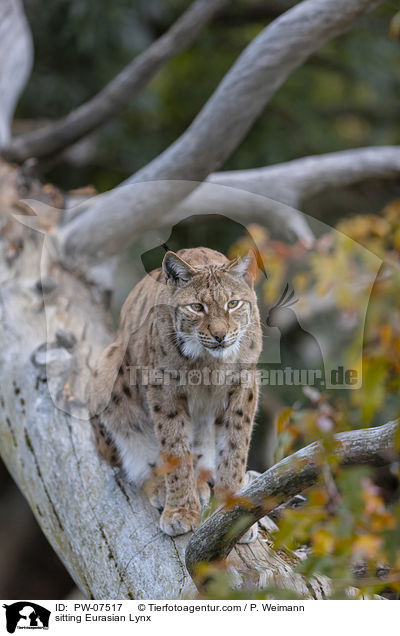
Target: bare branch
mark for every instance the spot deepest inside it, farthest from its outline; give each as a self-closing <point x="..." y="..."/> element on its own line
<point x="219" y="127"/>
<point x="16" y="55"/>
<point x="283" y="185"/>
<point x="242" y="205"/>
<point x="286" y="184"/>
<point x="276" y="191"/>
<point x="289" y="184"/>
<point x="119" y="92"/>
<point x="251" y="82"/>
<point x="216" y="537"/>
<point x="294" y="181"/>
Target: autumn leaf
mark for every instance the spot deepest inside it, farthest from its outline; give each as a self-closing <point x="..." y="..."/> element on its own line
<point x="366" y="546"/>
<point x="283" y="419"/>
<point x="323" y="542"/>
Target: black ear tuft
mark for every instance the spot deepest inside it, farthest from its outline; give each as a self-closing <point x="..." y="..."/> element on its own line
<point x="176" y="269"/>
<point x="243" y="268"/>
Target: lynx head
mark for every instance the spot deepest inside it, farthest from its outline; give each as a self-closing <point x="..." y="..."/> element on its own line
<point x="214" y="304"/>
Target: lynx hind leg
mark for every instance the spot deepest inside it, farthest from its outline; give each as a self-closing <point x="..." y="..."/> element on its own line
<point x="104" y="442"/>
<point x="135" y="454"/>
<point x="117" y="420"/>
<point x="139" y="454"/>
<point x="100" y="390"/>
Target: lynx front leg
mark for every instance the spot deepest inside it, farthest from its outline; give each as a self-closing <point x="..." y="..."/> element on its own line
<point x="182" y="506"/>
<point x="233" y="430"/>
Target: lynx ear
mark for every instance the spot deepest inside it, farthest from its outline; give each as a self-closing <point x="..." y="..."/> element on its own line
<point x="176" y="269"/>
<point x="244" y="268"/>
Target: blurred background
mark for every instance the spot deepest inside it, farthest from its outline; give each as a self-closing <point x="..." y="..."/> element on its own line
<point x="345" y="96"/>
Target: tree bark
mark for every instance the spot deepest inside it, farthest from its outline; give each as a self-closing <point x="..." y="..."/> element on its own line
<point x="276" y="191"/>
<point x="294" y="181"/>
<point x="216" y="131"/>
<point x="119" y="92"/>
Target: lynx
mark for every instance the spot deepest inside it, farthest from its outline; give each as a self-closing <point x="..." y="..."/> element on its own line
<point x="158" y="405"/>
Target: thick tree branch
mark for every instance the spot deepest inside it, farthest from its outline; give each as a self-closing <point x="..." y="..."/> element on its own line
<point x="16" y="55"/>
<point x="216" y="537"/>
<point x="106" y="534"/>
<point x="251" y="82"/>
<point x="287" y="184"/>
<point x="119" y="92"/>
<point x="274" y="188"/>
<point x="294" y="181"/>
<point x="242" y="205"/>
<point x="219" y="127"/>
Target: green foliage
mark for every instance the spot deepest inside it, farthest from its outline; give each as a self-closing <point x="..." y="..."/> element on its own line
<point x="349" y="529"/>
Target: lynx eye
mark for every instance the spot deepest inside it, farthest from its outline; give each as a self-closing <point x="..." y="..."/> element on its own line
<point x="234" y="304"/>
<point x="198" y="307"/>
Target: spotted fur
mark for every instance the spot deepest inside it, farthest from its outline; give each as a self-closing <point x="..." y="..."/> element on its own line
<point x="176" y="439"/>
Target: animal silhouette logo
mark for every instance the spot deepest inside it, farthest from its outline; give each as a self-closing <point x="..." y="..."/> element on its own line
<point x="299" y="348"/>
<point x="26" y="615"/>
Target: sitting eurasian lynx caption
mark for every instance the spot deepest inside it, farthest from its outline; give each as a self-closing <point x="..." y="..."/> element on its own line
<point x="158" y="405"/>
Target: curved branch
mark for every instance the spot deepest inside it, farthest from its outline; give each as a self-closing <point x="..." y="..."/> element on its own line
<point x="242" y="205"/>
<point x="294" y="181"/>
<point x="219" y="127"/>
<point x="251" y="82"/>
<point x="283" y="185"/>
<point x="216" y="537"/>
<point x="16" y="55"/>
<point x="117" y="94"/>
<point x="287" y="184"/>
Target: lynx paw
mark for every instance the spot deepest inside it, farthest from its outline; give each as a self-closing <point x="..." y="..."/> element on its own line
<point x="175" y="521"/>
<point x="154" y="489"/>
<point x="204" y="491"/>
<point x="205" y="479"/>
<point x="250" y="535"/>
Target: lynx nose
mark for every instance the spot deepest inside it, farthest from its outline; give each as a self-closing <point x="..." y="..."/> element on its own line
<point x="218" y="335"/>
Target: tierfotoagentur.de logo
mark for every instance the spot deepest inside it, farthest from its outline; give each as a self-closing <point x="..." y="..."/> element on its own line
<point x="26" y="615"/>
